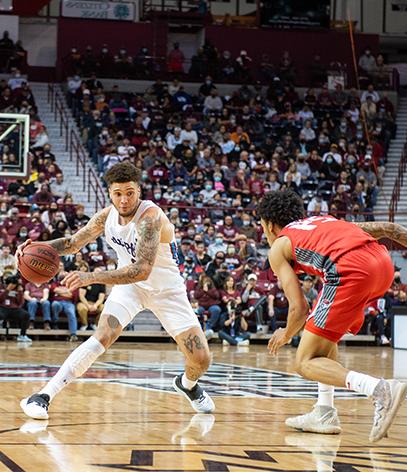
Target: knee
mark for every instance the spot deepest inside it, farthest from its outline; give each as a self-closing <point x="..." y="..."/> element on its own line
<point x="215" y="310"/>
<point x="46" y="303"/>
<point x="301" y="367"/>
<point x="202" y="361"/>
<point x="105" y="336"/>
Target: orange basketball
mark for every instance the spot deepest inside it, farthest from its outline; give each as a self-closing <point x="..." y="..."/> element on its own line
<point x="39" y="263"/>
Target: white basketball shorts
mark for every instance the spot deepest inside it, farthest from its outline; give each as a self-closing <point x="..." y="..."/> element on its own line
<point x="171" y="307"/>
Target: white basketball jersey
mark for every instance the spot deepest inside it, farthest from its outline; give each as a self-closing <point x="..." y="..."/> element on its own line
<point x="123" y="239"/>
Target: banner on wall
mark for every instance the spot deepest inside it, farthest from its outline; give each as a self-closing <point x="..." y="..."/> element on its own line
<point x="94" y="10"/>
<point x="399" y="5"/>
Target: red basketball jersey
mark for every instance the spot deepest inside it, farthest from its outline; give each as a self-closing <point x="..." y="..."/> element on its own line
<point x="319" y="241"/>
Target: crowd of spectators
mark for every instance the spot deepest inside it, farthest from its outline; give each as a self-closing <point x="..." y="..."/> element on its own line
<point x="221" y="65"/>
<point x="208" y="159"/>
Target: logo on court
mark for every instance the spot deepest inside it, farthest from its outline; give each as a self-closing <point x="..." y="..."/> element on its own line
<point x="220" y="380"/>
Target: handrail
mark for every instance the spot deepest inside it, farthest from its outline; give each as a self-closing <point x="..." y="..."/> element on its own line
<point x="74" y="146"/>
<point x="398" y="184"/>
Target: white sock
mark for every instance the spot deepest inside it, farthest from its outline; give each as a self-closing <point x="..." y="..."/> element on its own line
<point x="361" y="383"/>
<point x="186" y="383"/>
<point x="325" y="395"/>
<point x="74" y="366"/>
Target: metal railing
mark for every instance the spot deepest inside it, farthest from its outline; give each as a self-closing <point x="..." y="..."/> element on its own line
<point x="398" y="184"/>
<point x="77" y="152"/>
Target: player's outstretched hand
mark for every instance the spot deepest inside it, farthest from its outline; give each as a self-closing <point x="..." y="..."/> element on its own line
<point x="278" y="339"/>
<point x="75" y="280"/>
<point x="20" y="249"/>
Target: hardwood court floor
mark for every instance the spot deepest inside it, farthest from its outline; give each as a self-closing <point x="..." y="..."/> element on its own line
<point x="124" y="416"/>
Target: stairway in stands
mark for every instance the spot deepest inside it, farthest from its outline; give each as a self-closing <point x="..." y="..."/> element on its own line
<point x="393" y="159"/>
<point x="40" y="91"/>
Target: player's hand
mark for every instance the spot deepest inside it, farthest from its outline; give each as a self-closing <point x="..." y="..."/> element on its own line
<point x="278" y="339"/>
<point x="20" y="249"/>
<point x="75" y="280"/>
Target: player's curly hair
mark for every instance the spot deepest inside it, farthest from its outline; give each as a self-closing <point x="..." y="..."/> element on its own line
<point x="122" y="172"/>
<point x="281" y="208"/>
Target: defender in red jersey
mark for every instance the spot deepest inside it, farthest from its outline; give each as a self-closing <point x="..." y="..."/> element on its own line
<point x="355" y="270"/>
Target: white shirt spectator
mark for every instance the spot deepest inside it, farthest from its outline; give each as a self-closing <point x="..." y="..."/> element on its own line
<point x="354" y="114"/>
<point x="124" y="150"/>
<point x="7" y="261"/>
<point x="173" y="140"/>
<point x="318" y="201"/>
<point x="305" y="115"/>
<point x="213" y="103"/>
<point x="74" y="83"/>
<point x="191" y="136"/>
<point x="375" y="96"/>
<point x="16" y="82"/>
<point x="110" y="160"/>
<point x="309" y="134"/>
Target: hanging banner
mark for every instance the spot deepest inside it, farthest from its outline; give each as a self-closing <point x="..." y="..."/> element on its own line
<point x="93" y="10"/>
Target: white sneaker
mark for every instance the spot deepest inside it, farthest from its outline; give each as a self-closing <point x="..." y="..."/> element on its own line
<point x="384" y="340"/>
<point x="225" y="343"/>
<point x="209" y="334"/>
<point x="387" y="399"/>
<point x="83" y="328"/>
<point x="245" y="342"/>
<point x="24" y="339"/>
<point x="322" y="419"/>
<point x="200" y="401"/>
<point x="36" y="406"/>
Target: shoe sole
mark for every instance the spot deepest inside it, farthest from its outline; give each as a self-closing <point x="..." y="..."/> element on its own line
<point x="317" y="429"/>
<point x="23" y="405"/>
<point x="399" y="397"/>
<point x="186" y="396"/>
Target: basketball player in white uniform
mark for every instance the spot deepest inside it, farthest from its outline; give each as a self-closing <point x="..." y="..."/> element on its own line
<point x="147" y="277"/>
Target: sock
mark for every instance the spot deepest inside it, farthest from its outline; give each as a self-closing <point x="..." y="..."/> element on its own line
<point x="361" y="383"/>
<point x="186" y="383"/>
<point x="74" y="366"/>
<point x="325" y="395"/>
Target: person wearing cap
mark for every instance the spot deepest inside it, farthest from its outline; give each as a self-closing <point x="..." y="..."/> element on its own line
<point x="309" y="291"/>
<point x="254" y="302"/>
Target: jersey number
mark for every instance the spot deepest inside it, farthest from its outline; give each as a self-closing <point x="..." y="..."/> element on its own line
<point x="306" y="225"/>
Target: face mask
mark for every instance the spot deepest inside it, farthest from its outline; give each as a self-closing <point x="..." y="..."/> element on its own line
<point x="208" y="82"/>
<point x="208" y="187"/>
<point x="104" y="50"/>
<point x="23" y="234"/>
<point x="191" y="233"/>
<point x="157" y="196"/>
<point x="93" y="247"/>
<point x="231" y="250"/>
<point x="246" y="223"/>
<point x="351" y="160"/>
<point x="359" y="135"/>
<point x="329" y="160"/>
<point x="242" y="165"/>
<point x="217" y="179"/>
<point x="218" y="240"/>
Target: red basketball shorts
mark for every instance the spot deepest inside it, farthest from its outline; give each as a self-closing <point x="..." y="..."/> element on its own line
<point x="359" y="277"/>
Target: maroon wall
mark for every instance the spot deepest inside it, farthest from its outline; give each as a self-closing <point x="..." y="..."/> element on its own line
<point x="81" y="33"/>
<point x="302" y="45"/>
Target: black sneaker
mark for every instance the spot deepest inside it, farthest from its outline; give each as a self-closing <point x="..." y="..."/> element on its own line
<point x="36" y="406"/>
<point x="200" y="401"/>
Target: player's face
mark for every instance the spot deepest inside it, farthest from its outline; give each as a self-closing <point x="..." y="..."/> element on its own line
<point x="268" y="231"/>
<point x="125" y="197"/>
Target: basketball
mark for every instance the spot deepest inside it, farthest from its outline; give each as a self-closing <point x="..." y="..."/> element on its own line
<point x="39" y="263"/>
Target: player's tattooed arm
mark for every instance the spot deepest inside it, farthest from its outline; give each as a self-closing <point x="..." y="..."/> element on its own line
<point x="385" y="229"/>
<point x="72" y="244"/>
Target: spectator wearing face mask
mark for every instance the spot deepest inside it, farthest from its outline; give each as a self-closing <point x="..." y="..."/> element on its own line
<point x="367" y="62"/>
<point x="218" y="246"/>
<point x="232" y="260"/>
<point x="95" y="257"/>
<point x="208" y="193"/>
<point x="247" y="228"/>
<point x="7" y="260"/>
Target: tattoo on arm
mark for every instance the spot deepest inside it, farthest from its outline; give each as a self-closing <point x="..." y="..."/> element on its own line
<point x="191" y="341"/>
<point x="113" y="322"/>
<point x="88" y="233"/>
<point x="146" y="251"/>
<point x="389" y="230"/>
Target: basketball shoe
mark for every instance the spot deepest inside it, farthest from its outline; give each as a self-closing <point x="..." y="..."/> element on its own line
<point x="36" y="406"/>
<point x="387" y="399"/>
<point x="200" y="401"/>
<point x="322" y="419"/>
